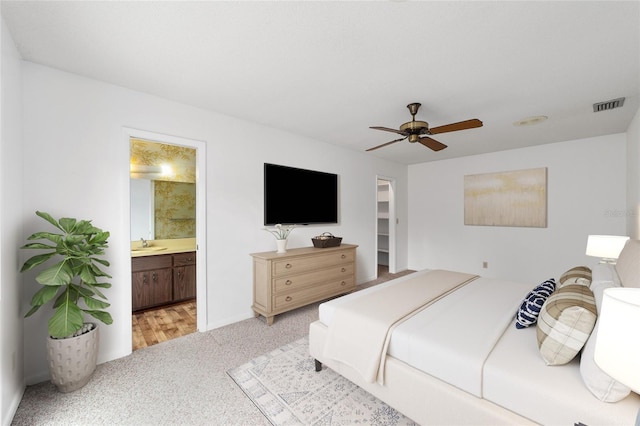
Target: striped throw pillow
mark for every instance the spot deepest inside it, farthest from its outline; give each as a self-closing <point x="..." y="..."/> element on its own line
<point x="529" y="310"/>
<point x="565" y="323"/>
<point x="576" y="275"/>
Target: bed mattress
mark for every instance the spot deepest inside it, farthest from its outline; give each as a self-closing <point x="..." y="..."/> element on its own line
<point x="453" y="337"/>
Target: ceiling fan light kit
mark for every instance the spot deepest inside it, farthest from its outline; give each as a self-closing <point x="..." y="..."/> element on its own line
<point x="418" y="131"/>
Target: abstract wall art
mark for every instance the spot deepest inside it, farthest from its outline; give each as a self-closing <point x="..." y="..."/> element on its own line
<point x="513" y="198"/>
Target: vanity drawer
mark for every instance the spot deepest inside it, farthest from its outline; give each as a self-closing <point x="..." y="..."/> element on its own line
<point x="307" y="263"/>
<point x="146" y="263"/>
<point x="182" y="259"/>
<point x="295" y="282"/>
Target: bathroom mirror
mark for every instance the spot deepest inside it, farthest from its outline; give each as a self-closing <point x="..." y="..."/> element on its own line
<point x="162" y="210"/>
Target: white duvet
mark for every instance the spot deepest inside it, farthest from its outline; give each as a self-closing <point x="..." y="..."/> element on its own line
<point x="452" y="339"/>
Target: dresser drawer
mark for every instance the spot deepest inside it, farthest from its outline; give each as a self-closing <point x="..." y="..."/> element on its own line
<point x="295" y="282"/>
<point x="307" y="263"/>
<point x="182" y="259"/>
<point x="314" y="293"/>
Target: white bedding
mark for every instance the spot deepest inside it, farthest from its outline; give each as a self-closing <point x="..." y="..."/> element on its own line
<point x="442" y="340"/>
<point x="453" y="340"/>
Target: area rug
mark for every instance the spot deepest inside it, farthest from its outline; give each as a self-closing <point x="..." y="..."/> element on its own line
<point x="284" y="385"/>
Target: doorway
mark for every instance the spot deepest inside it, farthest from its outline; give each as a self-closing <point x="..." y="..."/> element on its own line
<point x="183" y="311"/>
<point x="385" y="226"/>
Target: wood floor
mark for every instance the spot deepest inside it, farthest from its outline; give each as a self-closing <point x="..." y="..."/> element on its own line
<point x="159" y="325"/>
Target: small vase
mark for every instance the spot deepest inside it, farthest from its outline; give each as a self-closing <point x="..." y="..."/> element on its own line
<point x="282" y="246"/>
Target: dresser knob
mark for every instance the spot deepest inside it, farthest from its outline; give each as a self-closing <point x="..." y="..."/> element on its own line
<point x="344" y="269"/>
<point x="289" y="299"/>
<point x="288" y="266"/>
<point x="344" y="256"/>
<point x="288" y="282"/>
<point x="343" y="283"/>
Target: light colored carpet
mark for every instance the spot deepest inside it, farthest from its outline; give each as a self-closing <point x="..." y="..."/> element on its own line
<point x="287" y="389"/>
<point x="180" y="382"/>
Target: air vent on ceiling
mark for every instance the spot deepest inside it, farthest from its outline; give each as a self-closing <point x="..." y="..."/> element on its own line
<point x="604" y="106"/>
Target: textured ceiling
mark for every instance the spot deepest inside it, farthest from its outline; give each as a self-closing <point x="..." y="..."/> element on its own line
<point x="329" y="70"/>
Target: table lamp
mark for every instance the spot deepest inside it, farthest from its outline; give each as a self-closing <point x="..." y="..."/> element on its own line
<point x="607" y="247"/>
<point x="617" y="350"/>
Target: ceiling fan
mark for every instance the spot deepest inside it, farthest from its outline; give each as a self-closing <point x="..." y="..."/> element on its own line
<point x="414" y="130"/>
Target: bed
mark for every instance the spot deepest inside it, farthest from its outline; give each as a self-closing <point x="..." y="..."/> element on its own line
<point x="458" y="358"/>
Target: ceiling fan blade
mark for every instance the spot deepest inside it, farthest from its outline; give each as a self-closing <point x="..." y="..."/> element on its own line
<point x="462" y="125"/>
<point x="387" y="129"/>
<point x="432" y="144"/>
<point x="385" y="144"/>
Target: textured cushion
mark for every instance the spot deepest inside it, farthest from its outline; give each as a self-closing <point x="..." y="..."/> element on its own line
<point x="576" y="275"/>
<point x="565" y="323"/>
<point x="601" y="385"/>
<point x="628" y="264"/>
<point x="527" y="314"/>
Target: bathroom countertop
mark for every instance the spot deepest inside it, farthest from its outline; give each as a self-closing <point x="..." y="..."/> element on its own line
<point x="158" y="247"/>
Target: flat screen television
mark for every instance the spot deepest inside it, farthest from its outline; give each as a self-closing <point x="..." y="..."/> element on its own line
<point x="295" y="196"/>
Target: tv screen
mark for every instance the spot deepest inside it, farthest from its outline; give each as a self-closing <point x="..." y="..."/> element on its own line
<point x="299" y="196"/>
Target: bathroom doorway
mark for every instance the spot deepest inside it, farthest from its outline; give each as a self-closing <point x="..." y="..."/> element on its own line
<point x="385" y="226"/>
<point x="167" y="223"/>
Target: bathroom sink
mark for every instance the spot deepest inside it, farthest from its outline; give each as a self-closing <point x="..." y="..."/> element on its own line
<point x="152" y="248"/>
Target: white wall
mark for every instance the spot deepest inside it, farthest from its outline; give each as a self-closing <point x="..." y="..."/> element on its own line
<point x="73" y="138"/>
<point x="586" y="194"/>
<point x="633" y="178"/>
<point x="11" y="352"/>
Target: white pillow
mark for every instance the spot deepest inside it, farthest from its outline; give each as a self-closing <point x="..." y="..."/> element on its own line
<point x="601" y="385"/>
<point x="628" y="266"/>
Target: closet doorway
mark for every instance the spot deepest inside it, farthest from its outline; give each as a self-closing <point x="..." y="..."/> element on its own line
<point x="174" y="218"/>
<point x="385" y="226"/>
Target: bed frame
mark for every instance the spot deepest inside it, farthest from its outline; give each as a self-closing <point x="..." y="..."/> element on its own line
<point x="409" y="391"/>
<point x="428" y="400"/>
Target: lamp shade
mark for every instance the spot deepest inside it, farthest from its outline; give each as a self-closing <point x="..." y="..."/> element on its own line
<point x="617" y="350"/>
<point x="605" y="246"/>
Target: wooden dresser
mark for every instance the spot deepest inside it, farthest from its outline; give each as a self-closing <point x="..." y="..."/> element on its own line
<point x="286" y="281"/>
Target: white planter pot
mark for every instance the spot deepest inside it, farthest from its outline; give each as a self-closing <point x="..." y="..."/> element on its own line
<point x="282" y="246"/>
<point x="72" y="361"/>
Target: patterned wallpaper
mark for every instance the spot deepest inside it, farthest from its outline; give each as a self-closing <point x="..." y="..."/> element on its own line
<point x="175" y="210"/>
<point x="182" y="160"/>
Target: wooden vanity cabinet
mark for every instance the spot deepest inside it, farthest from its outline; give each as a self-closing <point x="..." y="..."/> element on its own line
<point x="184" y="276"/>
<point x="162" y="279"/>
<point x="151" y="281"/>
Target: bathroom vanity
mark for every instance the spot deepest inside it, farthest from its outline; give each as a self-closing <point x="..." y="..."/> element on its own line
<point x="162" y="273"/>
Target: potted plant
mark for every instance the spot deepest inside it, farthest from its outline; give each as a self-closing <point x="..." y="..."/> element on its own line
<point x="71" y="283"/>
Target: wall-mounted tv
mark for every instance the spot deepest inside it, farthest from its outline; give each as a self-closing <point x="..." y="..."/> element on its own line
<point x="299" y="196"/>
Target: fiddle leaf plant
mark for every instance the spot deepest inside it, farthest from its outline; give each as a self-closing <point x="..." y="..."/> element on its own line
<point x="72" y="282"/>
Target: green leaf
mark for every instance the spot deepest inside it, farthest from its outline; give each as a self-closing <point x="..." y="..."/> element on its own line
<point x="103" y="316"/>
<point x="38" y="246"/>
<point x="101" y="285"/>
<point x="32" y="311"/>
<point x="35" y="261"/>
<point x="101" y="261"/>
<point x="95" y="303"/>
<point x="67" y="224"/>
<point x="44" y="295"/>
<point x="58" y="274"/>
<point x="48" y="218"/>
<point x="66" y="320"/>
<point x="99" y="293"/>
<point x="55" y="238"/>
